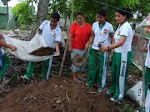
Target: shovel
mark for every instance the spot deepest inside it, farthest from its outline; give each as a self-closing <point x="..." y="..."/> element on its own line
<point x="79" y="60"/>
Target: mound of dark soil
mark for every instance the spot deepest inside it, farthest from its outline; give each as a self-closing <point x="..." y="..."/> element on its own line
<point x="43" y="51"/>
<point x="55" y="95"/>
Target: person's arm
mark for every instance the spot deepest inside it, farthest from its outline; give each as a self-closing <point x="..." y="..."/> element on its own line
<point x="115" y="45"/>
<point x="112" y="38"/>
<point x="91" y="39"/>
<point x="40" y="29"/>
<point x="112" y="42"/>
<point x="4" y="44"/>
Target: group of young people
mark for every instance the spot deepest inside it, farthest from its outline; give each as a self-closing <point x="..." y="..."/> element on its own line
<point x="102" y="41"/>
<point x="84" y="36"/>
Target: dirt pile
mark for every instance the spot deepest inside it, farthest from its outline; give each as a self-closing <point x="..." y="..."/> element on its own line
<point x="43" y="51"/>
<point x="55" y="95"/>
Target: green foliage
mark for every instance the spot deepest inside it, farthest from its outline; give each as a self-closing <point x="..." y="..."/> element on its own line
<point x="61" y="6"/>
<point x="90" y="7"/>
<point x="24" y="13"/>
<point x="143" y="9"/>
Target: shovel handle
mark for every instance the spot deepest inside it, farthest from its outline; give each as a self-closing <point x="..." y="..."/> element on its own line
<point x="84" y="53"/>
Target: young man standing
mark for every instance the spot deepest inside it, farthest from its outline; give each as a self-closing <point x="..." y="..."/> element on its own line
<point x="51" y="34"/>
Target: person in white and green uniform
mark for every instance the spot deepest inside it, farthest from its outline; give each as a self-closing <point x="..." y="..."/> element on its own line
<point x="51" y="34"/>
<point x="122" y="56"/>
<point x="102" y="32"/>
<point x="4" y="59"/>
<point x="147" y="79"/>
<point x="147" y="69"/>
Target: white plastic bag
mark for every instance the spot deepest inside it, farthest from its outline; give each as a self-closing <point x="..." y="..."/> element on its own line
<point x="24" y="48"/>
<point x="147" y="102"/>
<point x="135" y="93"/>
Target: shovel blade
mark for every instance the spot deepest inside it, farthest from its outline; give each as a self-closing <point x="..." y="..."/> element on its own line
<point x="78" y="61"/>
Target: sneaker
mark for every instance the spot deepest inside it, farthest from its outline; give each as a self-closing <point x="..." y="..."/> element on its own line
<point x="100" y="90"/>
<point x="113" y="99"/>
<point x="87" y="85"/>
<point x="120" y="98"/>
<point x="108" y="93"/>
<point x="77" y="81"/>
<point x="82" y="79"/>
<point x="24" y="77"/>
<point x="93" y="91"/>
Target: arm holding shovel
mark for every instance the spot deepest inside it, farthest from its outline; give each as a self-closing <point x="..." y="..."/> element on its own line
<point x="115" y="45"/>
<point x="90" y="42"/>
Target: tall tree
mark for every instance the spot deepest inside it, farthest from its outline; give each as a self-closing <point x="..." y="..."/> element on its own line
<point x="41" y="14"/>
<point x="42" y="11"/>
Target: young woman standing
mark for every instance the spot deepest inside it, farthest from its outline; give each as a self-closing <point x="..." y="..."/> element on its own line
<point x="122" y="56"/>
<point x="80" y="33"/>
<point x="102" y="32"/>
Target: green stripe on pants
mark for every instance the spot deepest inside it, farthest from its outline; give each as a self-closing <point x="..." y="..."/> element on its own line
<point x="96" y="62"/>
<point x="31" y="67"/>
<point x="117" y="69"/>
<point x="6" y="63"/>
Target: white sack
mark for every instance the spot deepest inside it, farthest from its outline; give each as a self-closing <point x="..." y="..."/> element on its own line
<point x="135" y="93"/>
<point x="147" y="102"/>
<point x="26" y="47"/>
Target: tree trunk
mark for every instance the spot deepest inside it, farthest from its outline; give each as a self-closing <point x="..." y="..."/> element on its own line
<point x="41" y="15"/>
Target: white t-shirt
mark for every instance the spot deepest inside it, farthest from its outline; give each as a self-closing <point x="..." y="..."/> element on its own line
<point x="101" y="34"/>
<point x="124" y="30"/>
<point x="147" y="62"/>
<point x="50" y="36"/>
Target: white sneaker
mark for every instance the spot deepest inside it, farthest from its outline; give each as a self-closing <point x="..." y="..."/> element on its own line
<point x="120" y="97"/>
<point x="24" y="77"/>
<point x="107" y="92"/>
<point x="100" y="90"/>
<point x="113" y="100"/>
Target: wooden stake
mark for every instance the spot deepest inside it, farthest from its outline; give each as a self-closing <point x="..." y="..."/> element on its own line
<point x="66" y="47"/>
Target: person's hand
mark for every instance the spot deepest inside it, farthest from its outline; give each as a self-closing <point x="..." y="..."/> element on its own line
<point x="87" y="45"/>
<point x="13" y="48"/>
<point x="39" y="31"/>
<point x="103" y="49"/>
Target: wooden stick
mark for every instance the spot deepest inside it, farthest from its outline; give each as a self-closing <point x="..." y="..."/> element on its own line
<point x="143" y="79"/>
<point x="67" y="97"/>
<point x="66" y="47"/>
